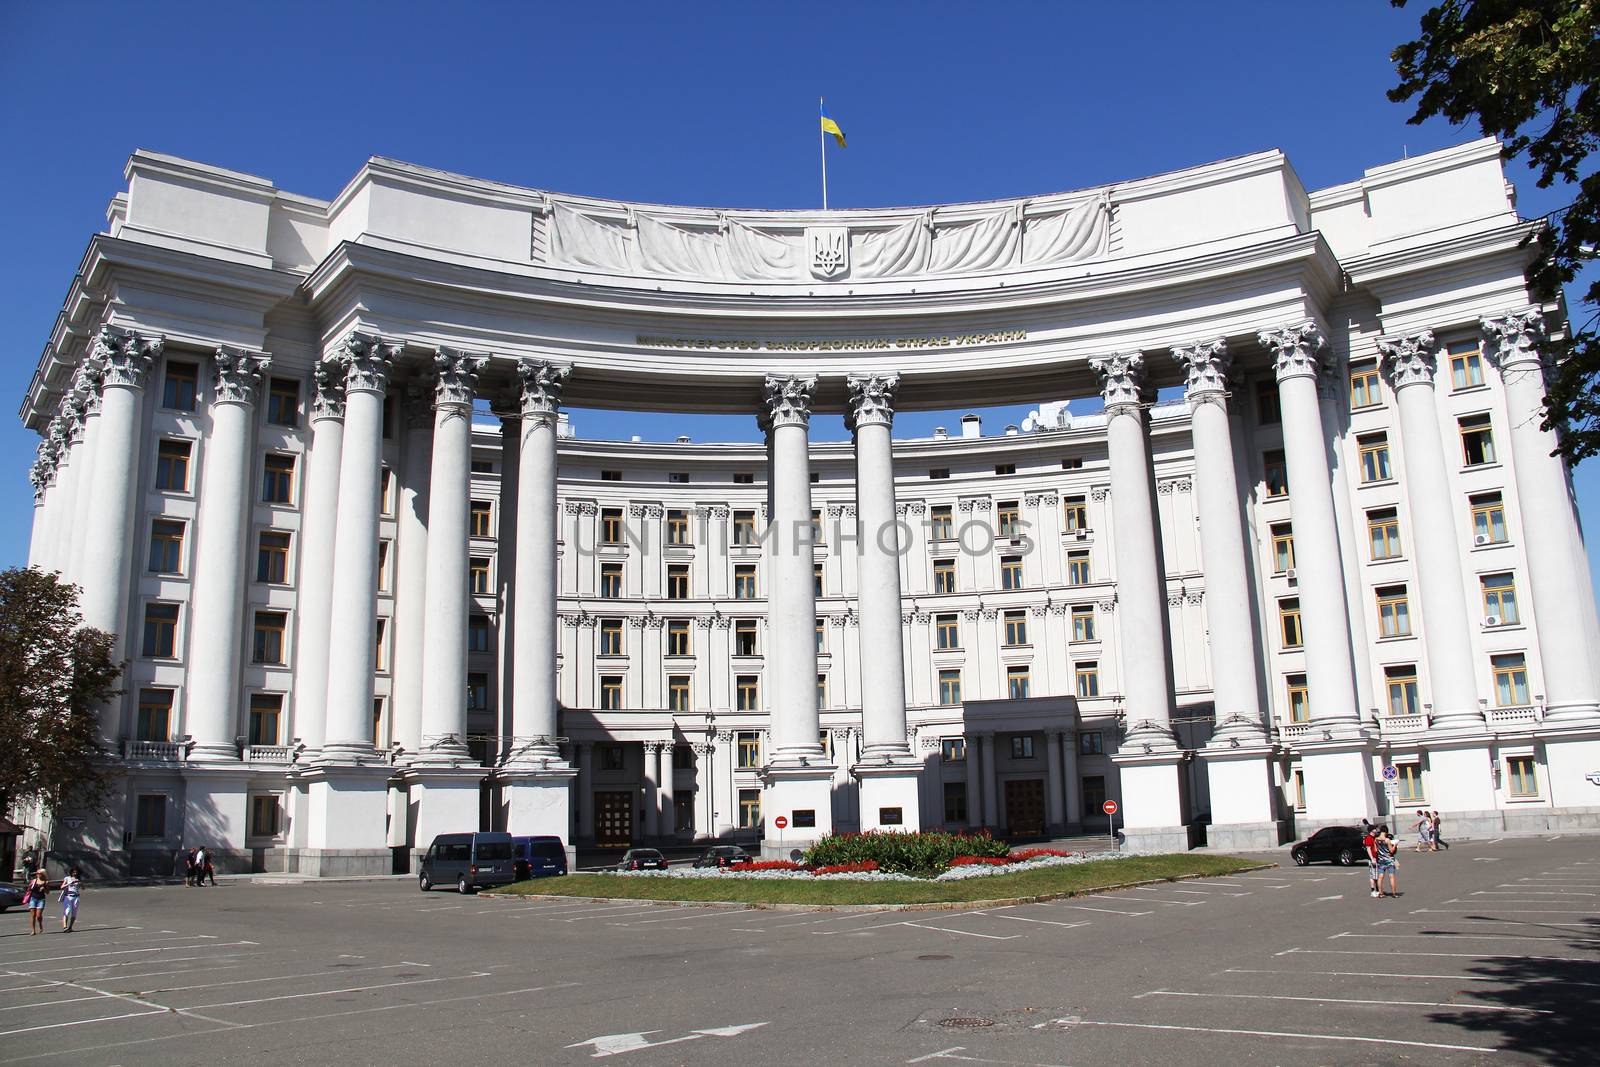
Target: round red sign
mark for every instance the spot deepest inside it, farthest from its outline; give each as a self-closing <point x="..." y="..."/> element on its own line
<point x="1109" y="807"/>
<point x="780" y="822"/>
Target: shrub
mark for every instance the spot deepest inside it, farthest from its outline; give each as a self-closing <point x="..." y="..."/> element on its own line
<point x="972" y="861"/>
<point x="921" y="854"/>
<point x="1037" y="853"/>
<point x="767" y="865"/>
<point x="864" y="867"/>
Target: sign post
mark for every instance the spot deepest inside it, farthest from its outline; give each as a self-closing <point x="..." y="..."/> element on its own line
<point x="782" y="823"/>
<point x="1391" y="791"/>
<point x="1110" y="808"/>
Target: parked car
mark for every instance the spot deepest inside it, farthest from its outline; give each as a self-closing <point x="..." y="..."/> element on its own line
<point x="723" y="856"/>
<point x="468" y="860"/>
<point x="10" y="896"/>
<point x="1336" y="844"/>
<point x="538" y="857"/>
<point x="642" y="859"/>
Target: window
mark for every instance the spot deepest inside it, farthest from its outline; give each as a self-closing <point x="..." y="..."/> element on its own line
<point x="1282" y="547"/>
<point x="172" y="466"/>
<point x="955" y="802"/>
<point x="749" y="809"/>
<point x="938" y="473"/>
<point x="267" y="643"/>
<point x="1298" y="784"/>
<point x="744" y="581"/>
<point x="946" y="631"/>
<point x="683" y="760"/>
<point x="677" y="528"/>
<point x="1477" y="440"/>
<point x="611" y="580"/>
<point x="1017" y="682"/>
<point x="1289" y="622"/>
<point x="1007" y="519"/>
<point x="1010" y="572"/>
<point x="380" y="659"/>
<point x="1016" y="627"/>
<point x="611" y="758"/>
<point x="482" y="516"/>
<point x="677" y="637"/>
<point x="1267" y="410"/>
<point x="283" y="402"/>
<point x="1078" y="570"/>
<point x="610" y="637"/>
<point x="817" y="529"/>
<point x="155" y="715"/>
<point x="944" y="576"/>
<point x="1401" y="682"/>
<point x="611" y="692"/>
<point x="953" y="750"/>
<point x="678" y="477"/>
<point x="1383" y="533"/>
<point x="744" y="637"/>
<point x="1083" y="622"/>
<point x="743" y="478"/>
<point x="1409" y="775"/>
<point x="160" y="631"/>
<point x="748" y="692"/>
<point x="677" y="581"/>
<point x="277" y="479"/>
<point x="1276" y="469"/>
<point x="478" y="574"/>
<point x="1086" y="677"/>
<point x="822" y="691"/>
<point x="816" y="579"/>
<point x="1022" y="747"/>
<point x="1364" y="386"/>
<point x="678" y="692"/>
<point x="941" y="523"/>
<point x="272" y="557"/>
<point x="482" y="466"/>
<point x="1500" y="598"/>
<point x="822" y="636"/>
<point x="477" y="633"/>
<point x="1072" y="463"/>
<point x="1466" y="364"/>
<point x="1094" y="793"/>
<point x="150" y="817"/>
<point x="1510" y="679"/>
<point x="1524" y="780"/>
<point x="744" y="527"/>
<point x="611" y="526"/>
<point x="377" y="720"/>
<point x="383" y="566"/>
<point x="264" y="816"/>
<point x="1005" y="468"/>
<point x="1091" y="743"/>
<point x="611" y="476"/>
<point x="1394" y="612"/>
<point x="477" y="691"/>
<point x="266" y="713"/>
<point x="949" y="687"/>
<point x="1488" y="519"/>
<point x="166" y="547"/>
<point x="1374" y="457"/>
<point x="386" y="491"/>
<point x="749" y="743"/>
<point x="1299" y="699"/>
<point x="1075" y="513"/>
<point x="180" y="385"/>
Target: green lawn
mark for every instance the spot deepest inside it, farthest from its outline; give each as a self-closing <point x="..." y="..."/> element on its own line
<point x="1048" y="881"/>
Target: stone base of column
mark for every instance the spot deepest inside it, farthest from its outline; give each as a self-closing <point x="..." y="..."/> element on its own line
<point x="347" y="809"/>
<point x="443" y="800"/>
<point x="792" y="792"/>
<point x="539" y="804"/>
<point x="1249" y="837"/>
<point x="1340" y="783"/>
<point x="1572" y="763"/>
<point x="1244" y="804"/>
<point x="1151" y="815"/>
<point x="216" y="803"/>
<point x="890" y="796"/>
<point x="1584" y="713"/>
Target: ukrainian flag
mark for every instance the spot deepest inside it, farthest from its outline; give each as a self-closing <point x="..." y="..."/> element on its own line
<point x="829" y="126"/>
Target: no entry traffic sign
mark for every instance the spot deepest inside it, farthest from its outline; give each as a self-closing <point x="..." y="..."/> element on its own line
<point x="781" y="822"/>
<point x="1109" y="807"/>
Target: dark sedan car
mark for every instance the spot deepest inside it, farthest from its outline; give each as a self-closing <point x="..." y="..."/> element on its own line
<point x="723" y="856"/>
<point x="642" y="859"/>
<point x="10" y="896"/>
<point x="1335" y="844"/>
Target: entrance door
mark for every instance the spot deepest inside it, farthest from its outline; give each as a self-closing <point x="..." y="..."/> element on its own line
<point x="613" y="820"/>
<point x="1025" y="807"/>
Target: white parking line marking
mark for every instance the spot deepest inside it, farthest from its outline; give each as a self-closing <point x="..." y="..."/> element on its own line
<point x="685" y="915"/>
<point x="1108" y="911"/>
<point x="1439" y="955"/>
<point x="1386" y="974"/>
<point x="1281" y="1033"/>
<point x="1347" y="1000"/>
<point x="1025" y="919"/>
<point x="1479" y="922"/>
<point x="949" y="1054"/>
<point x="332" y="992"/>
<point x="282" y="977"/>
<point x="1478" y="937"/>
<point x="138" y="963"/>
<point x="84" y="1022"/>
<point x="967" y="933"/>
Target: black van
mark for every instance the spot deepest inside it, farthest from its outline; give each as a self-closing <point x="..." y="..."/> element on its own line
<point x="468" y="860"/>
<point x="538" y="857"/>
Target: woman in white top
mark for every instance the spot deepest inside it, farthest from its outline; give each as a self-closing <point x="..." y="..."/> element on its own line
<point x="71" y="889"/>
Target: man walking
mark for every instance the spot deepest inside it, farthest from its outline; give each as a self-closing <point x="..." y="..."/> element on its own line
<point x="1369" y="844"/>
<point x="200" y="860"/>
<point x="1433" y="832"/>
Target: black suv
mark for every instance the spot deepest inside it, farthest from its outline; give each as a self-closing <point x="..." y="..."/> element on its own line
<point x="1336" y="844"/>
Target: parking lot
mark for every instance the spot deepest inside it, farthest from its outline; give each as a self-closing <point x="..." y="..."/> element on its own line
<point x="1492" y="951"/>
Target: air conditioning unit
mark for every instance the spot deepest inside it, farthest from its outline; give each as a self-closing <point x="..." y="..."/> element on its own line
<point x="1289" y="574"/>
<point x="1492" y="620"/>
<point x="1481" y="539"/>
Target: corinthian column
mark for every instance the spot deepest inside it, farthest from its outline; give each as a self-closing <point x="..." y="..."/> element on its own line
<point x="218" y="597"/>
<point x="887" y="771"/>
<point x="315" y="581"/>
<point x="87" y="391"/>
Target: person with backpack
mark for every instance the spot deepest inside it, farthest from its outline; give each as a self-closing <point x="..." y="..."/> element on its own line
<point x="1388" y="855"/>
<point x="33" y="898"/>
<point x="71" y="889"/>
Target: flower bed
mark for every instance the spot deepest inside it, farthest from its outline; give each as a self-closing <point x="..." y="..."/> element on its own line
<point x="961" y="868"/>
<point x="922" y="854"/>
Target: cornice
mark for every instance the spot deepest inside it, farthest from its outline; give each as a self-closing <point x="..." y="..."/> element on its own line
<point x="1386" y="266"/>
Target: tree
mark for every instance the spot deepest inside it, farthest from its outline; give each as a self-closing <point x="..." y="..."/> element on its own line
<point x="1526" y="69"/>
<point x="54" y="675"/>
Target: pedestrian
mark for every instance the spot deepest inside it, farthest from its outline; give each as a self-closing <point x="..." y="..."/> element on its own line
<point x="189" y="867"/>
<point x="1424" y="828"/>
<point x="71" y="889"/>
<point x="1388" y="856"/>
<point x="1369" y="844"/>
<point x="34" y="897"/>
<point x="206" y="868"/>
<point x="30" y="863"/>
<point x="1434" y="831"/>
<point x="200" y="865"/>
<point x="180" y="863"/>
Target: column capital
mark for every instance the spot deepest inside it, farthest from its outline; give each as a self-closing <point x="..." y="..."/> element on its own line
<point x="367" y="360"/>
<point x="1408" y="359"/>
<point x="455" y="377"/>
<point x="786" y="400"/>
<point x="1294" y="349"/>
<point x="238" y="373"/>
<point x="871" y="399"/>
<point x="543" y="383"/>
<point x="1514" y="337"/>
<point x="1205" y="365"/>
<point x="327" y="396"/>
<point x="72" y="417"/>
<point x="88" y="383"/>
<point x="125" y="357"/>
<point x="1122" y="380"/>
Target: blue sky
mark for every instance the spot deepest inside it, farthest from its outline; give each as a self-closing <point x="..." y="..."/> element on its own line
<point x="678" y="103"/>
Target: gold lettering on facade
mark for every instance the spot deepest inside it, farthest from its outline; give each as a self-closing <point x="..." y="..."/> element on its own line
<point x="831" y="344"/>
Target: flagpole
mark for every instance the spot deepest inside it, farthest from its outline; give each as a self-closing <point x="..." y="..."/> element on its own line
<point x="822" y="144"/>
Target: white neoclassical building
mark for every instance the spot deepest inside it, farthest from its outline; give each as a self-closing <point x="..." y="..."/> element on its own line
<point x="311" y="462"/>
